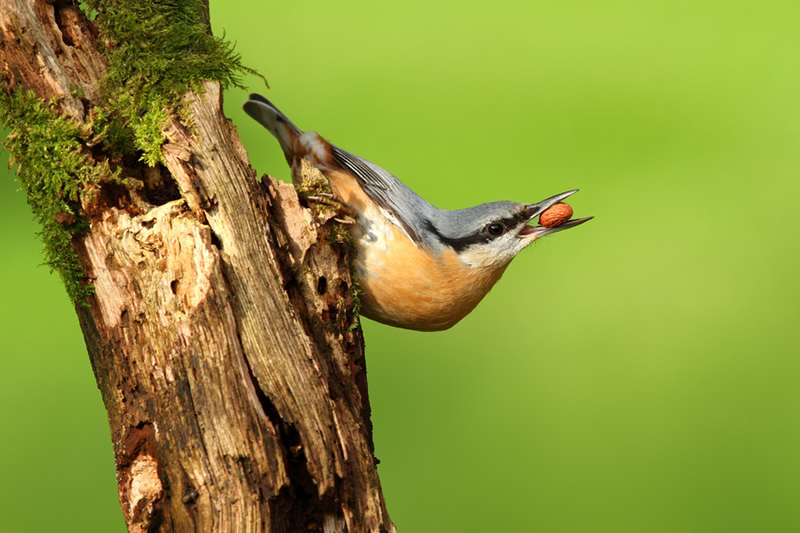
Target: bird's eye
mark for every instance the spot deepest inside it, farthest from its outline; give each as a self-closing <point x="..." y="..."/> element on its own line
<point x="495" y="229"/>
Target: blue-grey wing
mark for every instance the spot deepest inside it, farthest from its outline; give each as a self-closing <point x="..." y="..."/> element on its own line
<point x="401" y="205"/>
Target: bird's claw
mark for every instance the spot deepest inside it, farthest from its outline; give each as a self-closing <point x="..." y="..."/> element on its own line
<point x="337" y="203"/>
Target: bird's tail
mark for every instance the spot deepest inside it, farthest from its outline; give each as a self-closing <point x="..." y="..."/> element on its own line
<point x="276" y="123"/>
<point x="294" y="142"/>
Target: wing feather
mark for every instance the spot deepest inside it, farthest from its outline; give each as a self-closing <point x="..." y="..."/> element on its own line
<point x="388" y="192"/>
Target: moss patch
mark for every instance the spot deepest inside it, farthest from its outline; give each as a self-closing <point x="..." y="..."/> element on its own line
<point x="56" y="175"/>
<point x="156" y="52"/>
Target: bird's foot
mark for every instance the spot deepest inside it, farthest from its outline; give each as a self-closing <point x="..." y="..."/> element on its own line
<point x="333" y="200"/>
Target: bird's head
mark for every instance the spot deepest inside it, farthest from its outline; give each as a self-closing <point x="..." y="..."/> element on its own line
<point x="488" y="236"/>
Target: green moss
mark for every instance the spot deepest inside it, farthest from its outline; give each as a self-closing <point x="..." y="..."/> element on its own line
<point x="56" y="174"/>
<point x="158" y="51"/>
<point x="91" y="14"/>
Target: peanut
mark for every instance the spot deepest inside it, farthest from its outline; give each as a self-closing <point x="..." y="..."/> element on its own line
<point x="555" y="215"/>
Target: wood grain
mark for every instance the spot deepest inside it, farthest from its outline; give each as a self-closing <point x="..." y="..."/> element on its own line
<point x="221" y="333"/>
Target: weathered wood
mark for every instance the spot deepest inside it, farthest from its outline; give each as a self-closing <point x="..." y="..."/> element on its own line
<point x="221" y="332"/>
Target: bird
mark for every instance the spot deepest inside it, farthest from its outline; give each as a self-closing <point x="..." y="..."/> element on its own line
<point x="417" y="266"/>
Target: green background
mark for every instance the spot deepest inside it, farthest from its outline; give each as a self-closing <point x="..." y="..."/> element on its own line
<point x="637" y="374"/>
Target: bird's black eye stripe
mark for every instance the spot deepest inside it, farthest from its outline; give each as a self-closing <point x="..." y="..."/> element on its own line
<point x="495" y="229"/>
<point x="457" y="244"/>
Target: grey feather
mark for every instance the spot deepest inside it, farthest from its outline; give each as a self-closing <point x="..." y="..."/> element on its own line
<point x="422" y="222"/>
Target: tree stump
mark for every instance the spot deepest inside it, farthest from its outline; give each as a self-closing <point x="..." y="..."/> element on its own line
<point x="221" y="329"/>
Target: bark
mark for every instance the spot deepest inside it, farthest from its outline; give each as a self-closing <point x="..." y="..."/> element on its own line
<point x="221" y="333"/>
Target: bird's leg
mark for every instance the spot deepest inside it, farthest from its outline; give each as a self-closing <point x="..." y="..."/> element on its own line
<point x="313" y="187"/>
<point x="337" y="203"/>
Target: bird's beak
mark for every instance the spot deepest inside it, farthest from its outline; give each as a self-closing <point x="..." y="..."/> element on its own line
<point x="534" y="210"/>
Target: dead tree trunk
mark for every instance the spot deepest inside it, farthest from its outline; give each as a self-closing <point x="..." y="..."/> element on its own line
<point x="221" y="330"/>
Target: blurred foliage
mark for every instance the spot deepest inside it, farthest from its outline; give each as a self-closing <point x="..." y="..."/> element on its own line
<point x="635" y="374"/>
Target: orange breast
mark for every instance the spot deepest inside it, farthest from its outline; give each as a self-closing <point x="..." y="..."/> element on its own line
<point x="401" y="284"/>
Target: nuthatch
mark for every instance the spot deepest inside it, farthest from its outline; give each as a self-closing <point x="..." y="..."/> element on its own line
<point x="418" y="267"/>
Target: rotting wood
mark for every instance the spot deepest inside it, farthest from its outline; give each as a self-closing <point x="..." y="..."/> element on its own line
<point x="221" y="333"/>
